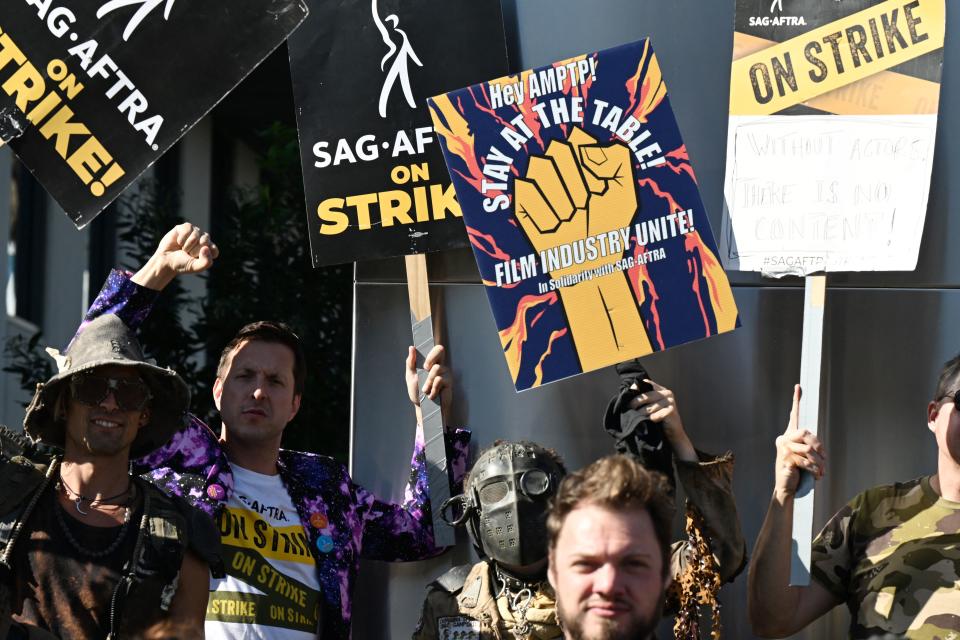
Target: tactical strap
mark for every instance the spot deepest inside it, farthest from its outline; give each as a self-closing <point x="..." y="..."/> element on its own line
<point x="453" y="580"/>
<point x="12" y="443"/>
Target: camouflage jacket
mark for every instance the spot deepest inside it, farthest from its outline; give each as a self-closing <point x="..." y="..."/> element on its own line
<point x="458" y="608"/>
<point x="892" y="555"/>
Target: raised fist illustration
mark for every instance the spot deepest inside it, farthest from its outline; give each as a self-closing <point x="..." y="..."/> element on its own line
<point x="578" y="188"/>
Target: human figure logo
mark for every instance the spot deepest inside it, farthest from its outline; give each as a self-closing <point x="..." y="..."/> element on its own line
<point x="146" y="8"/>
<point x="399" y="54"/>
<point x="778" y="20"/>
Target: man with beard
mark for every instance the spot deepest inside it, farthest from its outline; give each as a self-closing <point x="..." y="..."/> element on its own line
<point x="504" y="507"/>
<point x="609" y="544"/>
<point x="88" y="549"/>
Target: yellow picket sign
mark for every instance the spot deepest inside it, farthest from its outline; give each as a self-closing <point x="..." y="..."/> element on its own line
<point x="835" y="55"/>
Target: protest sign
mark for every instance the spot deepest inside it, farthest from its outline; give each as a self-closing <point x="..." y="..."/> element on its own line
<point x="833" y="116"/>
<point x="373" y="173"/>
<point x="583" y="211"/>
<point x="92" y="93"/>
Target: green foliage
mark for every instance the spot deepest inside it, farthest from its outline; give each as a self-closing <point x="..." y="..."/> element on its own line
<point x="264" y="273"/>
<point x="28" y="360"/>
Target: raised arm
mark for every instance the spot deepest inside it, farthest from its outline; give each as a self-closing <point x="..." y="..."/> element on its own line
<point x="183" y="249"/>
<point x="405" y="531"/>
<point x="191" y="462"/>
<point x="660" y="405"/>
<point x="776" y="609"/>
<point x="707" y="482"/>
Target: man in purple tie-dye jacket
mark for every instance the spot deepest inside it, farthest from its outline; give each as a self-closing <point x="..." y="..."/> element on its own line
<point x="294" y="526"/>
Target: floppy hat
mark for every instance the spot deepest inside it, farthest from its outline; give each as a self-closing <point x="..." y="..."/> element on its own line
<point x="108" y="341"/>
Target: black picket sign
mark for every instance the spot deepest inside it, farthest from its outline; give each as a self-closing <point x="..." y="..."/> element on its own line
<point x="92" y="92"/>
<point x="376" y="184"/>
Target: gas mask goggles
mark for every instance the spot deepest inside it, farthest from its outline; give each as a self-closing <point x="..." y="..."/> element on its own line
<point x="504" y="507"/>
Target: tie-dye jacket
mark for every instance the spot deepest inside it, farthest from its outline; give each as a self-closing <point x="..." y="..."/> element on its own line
<point x="343" y="521"/>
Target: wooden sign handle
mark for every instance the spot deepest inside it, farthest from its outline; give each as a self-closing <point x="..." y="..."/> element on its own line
<point x="811" y="351"/>
<point x="435" y="452"/>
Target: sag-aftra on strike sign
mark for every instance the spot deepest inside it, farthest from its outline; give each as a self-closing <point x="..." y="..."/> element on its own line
<point x="92" y="92"/>
<point x="373" y="172"/>
<point x="833" y="117"/>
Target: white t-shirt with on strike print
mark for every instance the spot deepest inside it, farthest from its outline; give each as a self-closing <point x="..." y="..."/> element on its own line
<point x="271" y="589"/>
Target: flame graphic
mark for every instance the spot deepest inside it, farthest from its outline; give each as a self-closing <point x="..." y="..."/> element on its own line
<point x="537" y="317"/>
<point x="683" y="166"/>
<point x="660" y="193"/>
<point x="491" y="283"/>
<point x="486" y="108"/>
<point x="459" y="140"/>
<point x="487" y="244"/>
<point x="513" y="337"/>
<point x="559" y="333"/>
<point x="637" y="277"/>
<point x="694" y="270"/>
<point x="646" y="90"/>
<point x="721" y="294"/>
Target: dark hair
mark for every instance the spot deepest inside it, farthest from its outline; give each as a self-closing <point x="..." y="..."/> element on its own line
<point x="949" y="376"/>
<point x="551" y="454"/>
<point x="269" y="331"/>
<point x="619" y="483"/>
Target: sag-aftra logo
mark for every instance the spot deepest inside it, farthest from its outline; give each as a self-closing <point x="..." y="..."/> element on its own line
<point x="777" y="20"/>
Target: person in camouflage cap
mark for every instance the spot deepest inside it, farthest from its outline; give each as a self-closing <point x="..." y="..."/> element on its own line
<point x="890" y="554"/>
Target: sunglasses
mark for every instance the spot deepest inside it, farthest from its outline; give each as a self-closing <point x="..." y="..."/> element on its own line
<point x="91" y="390"/>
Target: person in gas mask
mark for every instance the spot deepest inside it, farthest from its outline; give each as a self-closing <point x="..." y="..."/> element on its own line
<point x="504" y="507"/>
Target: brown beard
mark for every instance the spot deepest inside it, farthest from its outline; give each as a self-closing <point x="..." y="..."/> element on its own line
<point x="638" y="629"/>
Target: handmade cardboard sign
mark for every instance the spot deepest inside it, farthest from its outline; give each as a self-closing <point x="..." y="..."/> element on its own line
<point x="92" y="93"/>
<point x="373" y="173"/>
<point x="583" y="212"/>
<point x="833" y="115"/>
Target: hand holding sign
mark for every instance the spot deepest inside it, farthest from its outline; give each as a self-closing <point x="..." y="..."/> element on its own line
<point x="581" y="189"/>
<point x="797" y="450"/>
<point x="436" y="385"/>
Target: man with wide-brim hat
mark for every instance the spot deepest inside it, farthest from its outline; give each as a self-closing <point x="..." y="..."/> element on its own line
<point x="87" y="549"/>
<point x="107" y="342"/>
